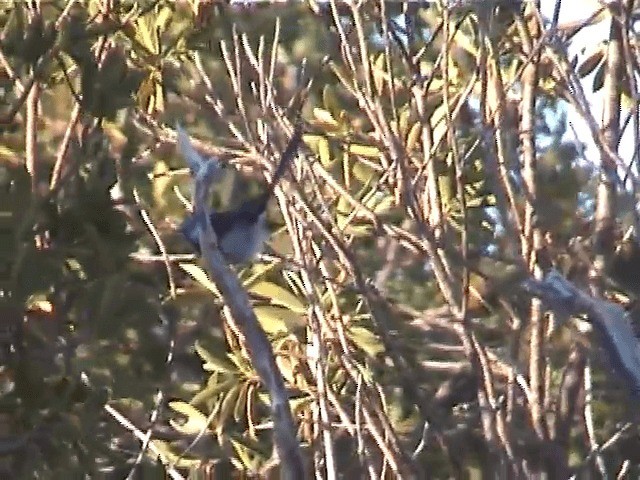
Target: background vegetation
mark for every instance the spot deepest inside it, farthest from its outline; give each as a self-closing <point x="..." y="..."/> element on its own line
<point x="439" y="168"/>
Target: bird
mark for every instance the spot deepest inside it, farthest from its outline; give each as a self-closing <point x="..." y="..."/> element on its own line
<point x="241" y="232"/>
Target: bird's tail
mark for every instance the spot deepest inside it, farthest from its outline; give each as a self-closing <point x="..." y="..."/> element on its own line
<point x="286" y="157"/>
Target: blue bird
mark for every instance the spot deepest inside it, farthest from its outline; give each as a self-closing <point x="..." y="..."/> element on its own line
<point x="241" y="232"/>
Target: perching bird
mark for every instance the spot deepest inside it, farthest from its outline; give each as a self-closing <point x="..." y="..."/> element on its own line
<point x="241" y="232"/>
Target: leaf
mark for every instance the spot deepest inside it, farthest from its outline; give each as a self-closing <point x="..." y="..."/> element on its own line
<point x="228" y="406"/>
<point x="9" y="155"/>
<point x="320" y="146"/>
<point x="438" y="125"/>
<point x="324" y="152"/>
<point x="598" y="79"/>
<point x="414" y="135"/>
<point x="325" y="118"/>
<point x="298" y="405"/>
<point x="359" y="230"/>
<point x="363" y="172"/>
<point x="380" y="203"/>
<point x="330" y="101"/>
<point x="286" y="367"/>
<point x="39" y="302"/>
<point x="158" y="99"/>
<point x="200" y="276"/>
<point x="146" y="35"/>
<point x="365" y="340"/>
<point x="403" y="126"/>
<point x="163" y="18"/>
<point x="278" y="295"/>
<point x="161" y="183"/>
<point x="213" y="363"/>
<point x="368" y="151"/>
<point x="247" y="457"/>
<point x="278" y="319"/>
<point x="591" y="62"/>
<point x="207" y="396"/>
<point x="379" y="73"/>
<point x="241" y="405"/>
<point x="196" y="420"/>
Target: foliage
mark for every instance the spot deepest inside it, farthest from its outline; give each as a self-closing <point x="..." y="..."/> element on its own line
<point x="426" y="190"/>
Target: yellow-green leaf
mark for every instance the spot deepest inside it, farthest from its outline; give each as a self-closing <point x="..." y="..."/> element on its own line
<point x="213" y="363"/>
<point x="324" y="152"/>
<point x="324" y="117"/>
<point x="196" y="420"/>
<point x="363" y="172"/>
<point x="369" y="151"/>
<point x="275" y="319"/>
<point x="379" y="73"/>
<point x="414" y="136"/>
<point x="199" y="275"/>
<point x="240" y="407"/>
<point x="278" y="295"/>
<point x="380" y="203"/>
<point x="330" y="101"/>
<point x="228" y="405"/>
<point x="365" y="340"/>
<point x="208" y="395"/>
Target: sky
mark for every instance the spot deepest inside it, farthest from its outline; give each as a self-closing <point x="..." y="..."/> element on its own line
<point x="582" y="45"/>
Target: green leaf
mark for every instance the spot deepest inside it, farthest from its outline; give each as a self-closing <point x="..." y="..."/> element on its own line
<point x="196" y="420"/>
<point x="208" y="395"/>
<point x="323" y="118"/>
<point x="363" y="172"/>
<point x="330" y="101"/>
<point x="275" y="319"/>
<point x="365" y="340"/>
<point x="228" y="406"/>
<point x="368" y="151"/>
<point x="241" y="404"/>
<point x="200" y="276"/>
<point x="250" y="461"/>
<point x="381" y="204"/>
<point x="214" y="363"/>
<point x="278" y="295"/>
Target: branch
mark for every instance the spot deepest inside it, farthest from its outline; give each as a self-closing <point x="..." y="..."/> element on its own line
<point x="610" y="321"/>
<point x="236" y="298"/>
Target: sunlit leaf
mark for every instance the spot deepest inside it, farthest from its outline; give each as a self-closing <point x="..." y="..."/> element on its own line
<point x="240" y="408"/>
<point x="380" y="203"/>
<point x="438" y="124"/>
<point x="364" y="173"/>
<point x="200" y="276"/>
<point x="163" y="18"/>
<point x="275" y="319"/>
<point x="209" y="395"/>
<point x="365" y="340"/>
<point x="330" y="101"/>
<point x="286" y="367"/>
<point x="196" y="421"/>
<point x="278" y="295"/>
<point x="325" y="118"/>
<point x="168" y="454"/>
<point x="369" y="151"/>
<point x="249" y="460"/>
<point x="414" y="136"/>
<point x="213" y="363"/>
<point x="228" y="406"/>
<point x="379" y="73"/>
